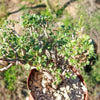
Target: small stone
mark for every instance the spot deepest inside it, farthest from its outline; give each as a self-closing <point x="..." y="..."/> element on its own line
<point x="44" y="83"/>
<point x="81" y="84"/>
<point x="59" y="97"/>
<point x="67" y="87"/>
<point x="48" y="75"/>
<point x="44" y="90"/>
<point x="58" y="91"/>
<point x="62" y="89"/>
<point x="74" y="86"/>
<point x="54" y="86"/>
<point x="84" y="88"/>
<point x="78" y="96"/>
<point x="61" y="92"/>
<point x="56" y="94"/>
<point x="66" y="96"/>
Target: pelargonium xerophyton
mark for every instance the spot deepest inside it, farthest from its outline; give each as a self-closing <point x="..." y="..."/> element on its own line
<point x="44" y="48"/>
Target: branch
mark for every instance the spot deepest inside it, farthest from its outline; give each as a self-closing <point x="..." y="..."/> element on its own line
<point x="12" y="60"/>
<point x="16" y="34"/>
<point x="5" y="68"/>
<point x="15" y="51"/>
<point x="13" y="30"/>
<point x="9" y="60"/>
<point x="46" y="34"/>
<point x="30" y="30"/>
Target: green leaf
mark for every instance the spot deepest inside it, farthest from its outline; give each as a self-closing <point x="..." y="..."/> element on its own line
<point x="44" y="56"/>
<point x="67" y="75"/>
<point x="30" y="52"/>
<point x="1" y="46"/>
<point x="86" y="37"/>
<point x="51" y="65"/>
<point x="66" y="58"/>
<point x="54" y="83"/>
<point x="40" y="50"/>
<point x="73" y="77"/>
<point x="58" y="71"/>
<point x="87" y="63"/>
<point x="38" y="67"/>
<point x="27" y="66"/>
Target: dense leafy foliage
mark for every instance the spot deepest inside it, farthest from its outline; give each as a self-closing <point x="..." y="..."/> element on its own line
<point x="43" y="47"/>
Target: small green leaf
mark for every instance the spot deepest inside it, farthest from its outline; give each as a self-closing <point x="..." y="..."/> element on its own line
<point x="44" y="56"/>
<point x="54" y="83"/>
<point x="38" y="67"/>
<point x="66" y="58"/>
<point x="73" y="77"/>
<point x="58" y="71"/>
<point x="40" y="50"/>
<point x="51" y="65"/>
<point x="67" y="75"/>
<point x="27" y="66"/>
<point x="30" y="52"/>
<point x="87" y="62"/>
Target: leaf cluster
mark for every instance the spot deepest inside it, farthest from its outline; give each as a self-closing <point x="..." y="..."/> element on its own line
<point x="43" y="47"/>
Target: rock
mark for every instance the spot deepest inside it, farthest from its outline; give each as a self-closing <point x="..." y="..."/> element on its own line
<point x="66" y="96"/>
<point x="18" y="28"/>
<point x="54" y="86"/>
<point x="55" y="94"/>
<point x="59" y="97"/>
<point x="16" y="1"/>
<point x="44" y="82"/>
<point x="48" y="75"/>
<point x="67" y="87"/>
<point x="58" y="91"/>
<point x="63" y="89"/>
<point x="82" y="84"/>
<point x="71" y="9"/>
<point x="84" y="88"/>
<point x="74" y="86"/>
<point x="15" y="14"/>
<point x="44" y="90"/>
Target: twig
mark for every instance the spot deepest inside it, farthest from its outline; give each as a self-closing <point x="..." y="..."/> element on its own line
<point x="9" y="60"/>
<point x="12" y="60"/>
<point x="16" y="34"/>
<point x="13" y="30"/>
<point x="15" y="51"/>
<point x="5" y="68"/>
<point x="46" y="34"/>
<point x="30" y="30"/>
<point x="56" y="56"/>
